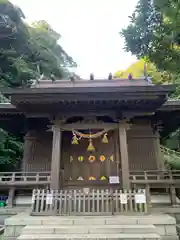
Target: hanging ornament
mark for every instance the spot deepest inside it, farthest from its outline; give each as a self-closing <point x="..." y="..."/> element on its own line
<point x="80" y="158"/>
<point x="90" y="146"/>
<point x="102" y="158"/>
<point x="105" y="139"/>
<point x="80" y="178"/>
<point x="112" y="158"/>
<point x="103" y="178"/>
<point x="74" y="139"/>
<point x="91" y="159"/>
<point x="92" y="178"/>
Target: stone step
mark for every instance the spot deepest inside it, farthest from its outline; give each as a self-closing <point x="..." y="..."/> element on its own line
<point x="90" y="236"/>
<point x="95" y="220"/>
<point x="76" y="229"/>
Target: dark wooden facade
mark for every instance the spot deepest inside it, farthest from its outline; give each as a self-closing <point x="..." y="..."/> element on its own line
<point x="49" y="112"/>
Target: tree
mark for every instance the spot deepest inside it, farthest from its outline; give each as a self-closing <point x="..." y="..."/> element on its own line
<point x="137" y="70"/>
<point x="154" y="33"/>
<point x="11" y="149"/>
<point x="26" y="52"/>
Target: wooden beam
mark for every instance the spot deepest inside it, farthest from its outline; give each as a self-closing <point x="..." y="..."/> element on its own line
<point x="82" y="126"/>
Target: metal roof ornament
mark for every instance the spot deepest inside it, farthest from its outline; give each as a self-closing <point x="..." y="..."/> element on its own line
<point x="130" y="77"/>
<point x="53" y="78"/>
<point x="110" y="76"/>
<point x="91" y="76"/>
<point x="72" y="78"/>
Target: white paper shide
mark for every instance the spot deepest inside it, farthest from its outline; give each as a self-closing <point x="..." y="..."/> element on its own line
<point x="49" y="198"/>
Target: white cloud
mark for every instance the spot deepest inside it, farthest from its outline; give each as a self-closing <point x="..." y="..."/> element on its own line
<point x="89" y="28"/>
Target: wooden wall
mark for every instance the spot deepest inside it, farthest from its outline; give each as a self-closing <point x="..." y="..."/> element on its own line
<point x="41" y="152"/>
<point x="141" y="146"/>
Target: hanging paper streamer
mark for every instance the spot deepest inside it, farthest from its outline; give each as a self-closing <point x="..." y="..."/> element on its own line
<point x="74" y="139"/>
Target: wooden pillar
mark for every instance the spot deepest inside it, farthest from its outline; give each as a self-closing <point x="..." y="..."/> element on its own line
<point x="117" y="152"/>
<point x="28" y="150"/>
<point x="158" y="153"/>
<point x="124" y="156"/>
<point x="56" y="158"/>
<point x="11" y="197"/>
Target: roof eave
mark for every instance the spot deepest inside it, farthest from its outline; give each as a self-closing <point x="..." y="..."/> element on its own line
<point x="160" y="89"/>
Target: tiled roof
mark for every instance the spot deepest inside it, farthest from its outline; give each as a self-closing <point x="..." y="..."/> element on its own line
<point x="90" y="83"/>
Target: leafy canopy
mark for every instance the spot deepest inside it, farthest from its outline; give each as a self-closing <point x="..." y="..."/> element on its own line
<point x="154" y="34"/>
<point x="26" y="52"/>
<point x="137" y="70"/>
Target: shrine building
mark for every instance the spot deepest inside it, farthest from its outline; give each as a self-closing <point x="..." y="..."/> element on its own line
<point x="88" y="133"/>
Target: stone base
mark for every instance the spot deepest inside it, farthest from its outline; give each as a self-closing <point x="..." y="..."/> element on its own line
<point x="165" y="225"/>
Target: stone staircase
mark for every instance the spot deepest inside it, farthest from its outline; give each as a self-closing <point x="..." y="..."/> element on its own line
<point x="90" y="228"/>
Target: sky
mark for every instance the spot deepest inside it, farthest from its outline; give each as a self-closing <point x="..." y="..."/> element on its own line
<point x="89" y="29"/>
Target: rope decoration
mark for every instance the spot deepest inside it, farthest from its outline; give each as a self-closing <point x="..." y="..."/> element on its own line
<point x="78" y="135"/>
<point x="90" y="135"/>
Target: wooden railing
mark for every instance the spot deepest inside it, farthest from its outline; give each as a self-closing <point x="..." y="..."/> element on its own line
<point x="155" y="176"/>
<point x="136" y="177"/>
<point x="85" y="201"/>
<point x="23" y="178"/>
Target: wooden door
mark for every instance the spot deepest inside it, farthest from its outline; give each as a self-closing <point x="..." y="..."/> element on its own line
<point x="91" y="167"/>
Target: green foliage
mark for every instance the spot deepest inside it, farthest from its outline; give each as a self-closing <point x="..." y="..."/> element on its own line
<point x="137" y="70"/>
<point x="171" y="157"/>
<point x="10" y="151"/>
<point x="172" y="163"/>
<point x="153" y="34"/>
<point x="26" y="53"/>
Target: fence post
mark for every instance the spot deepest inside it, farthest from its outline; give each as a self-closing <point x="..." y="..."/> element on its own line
<point x="173" y="194"/>
<point x="148" y="195"/>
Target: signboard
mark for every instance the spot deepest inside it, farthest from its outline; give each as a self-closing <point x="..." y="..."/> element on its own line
<point x="140" y="198"/>
<point x="86" y="190"/>
<point x="49" y="198"/>
<point x="123" y="198"/>
<point x="113" y="179"/>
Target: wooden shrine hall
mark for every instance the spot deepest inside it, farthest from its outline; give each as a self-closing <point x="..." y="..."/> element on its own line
<point x="87" y="133"/>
